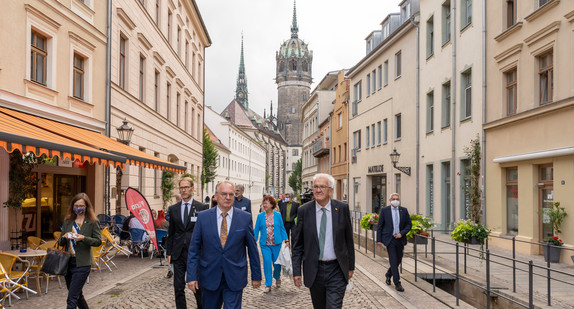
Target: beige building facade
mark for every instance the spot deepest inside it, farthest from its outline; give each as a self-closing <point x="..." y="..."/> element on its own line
<point x="157" y="85"/>
<point x="382" y="114"/>
<point x="530" y="107"/>
<point x="339" y="137"/>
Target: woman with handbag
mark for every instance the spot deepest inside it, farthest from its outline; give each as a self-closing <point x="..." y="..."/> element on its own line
<point x="80" y="232"/>
<point x="270" y="225"/>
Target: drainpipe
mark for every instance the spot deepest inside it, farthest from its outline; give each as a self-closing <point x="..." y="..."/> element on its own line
<point x="453" y="117"/>
<point x="108" y="102"/>
<point x="418" y="116"/>
<point x="483" y="154"/>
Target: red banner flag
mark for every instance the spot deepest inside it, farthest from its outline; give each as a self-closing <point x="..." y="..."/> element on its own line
<point x="139" y="207"/>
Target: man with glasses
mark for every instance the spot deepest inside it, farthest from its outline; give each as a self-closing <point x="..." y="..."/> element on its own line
<point x="323" y="243"/>
<point x="217" y="255"/>
<point x="182" y="218"/>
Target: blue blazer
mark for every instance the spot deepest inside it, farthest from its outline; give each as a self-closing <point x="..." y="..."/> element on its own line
<point x="385" y="227"/>
<point x="212" y="261"/>
<point x="278" y="229"/>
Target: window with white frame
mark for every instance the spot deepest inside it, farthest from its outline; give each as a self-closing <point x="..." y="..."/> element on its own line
<point x="385" y="131"/>
<point x="430" y="36"/>
<point x="398" y="129"/>
<point x="374" y="87"/>
<point x="466" y="94"/>
<point x="168" y="100"/>
<point x="78" y="79"/>
<point x="445" y="108"/>
<point x="386" y="72"/>
<point x="466" y="11"/>
<point x="446" y="22"/>
<point x="357" y="140"/>
<point x="511" y="91"/>
<point x="546" y="77"/>
<point x="156" y="91"/>
<point x="430" y="111"/>
<point x="39" y="58"/>
<point x="340" y="116"/>
<point x="378" y="133"/>
<point x="380" y="76"/>
<point x="368" y="137"/>
<point x="373" y="135"/>
<point x="368" y="85"/>
<point x="398" y="65"/>
<point x="142" y="78"/>
<point x="123" y="62"/>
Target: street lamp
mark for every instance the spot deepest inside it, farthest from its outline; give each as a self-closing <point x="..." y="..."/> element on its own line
<point x="125" y="133"/>
<point x="395" y="159"/>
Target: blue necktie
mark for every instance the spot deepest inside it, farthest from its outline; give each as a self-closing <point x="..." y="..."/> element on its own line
<point x="322" y="232"/>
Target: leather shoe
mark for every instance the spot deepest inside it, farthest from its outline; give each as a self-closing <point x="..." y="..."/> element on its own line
<point x="399" y="288"/>
<point x="388" y="281"/>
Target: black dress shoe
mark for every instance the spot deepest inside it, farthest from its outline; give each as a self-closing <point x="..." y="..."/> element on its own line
<point x="388" y="281"/>
<point x="399" y="288"/>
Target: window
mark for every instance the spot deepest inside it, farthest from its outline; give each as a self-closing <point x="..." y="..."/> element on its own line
<point x="546" y="77"/>
<point x="142" y="78"/>
<point x="446" y="22"/>
<point x="187" y="54"/>
<point x="168" y="100"/>
<point x="78" y="76"/>
<point x="378" y="133"/>
<point x="186" y="128"/>
<point x="39" y="60"/>
<point x="398" y="68"/>
<point x="542" y="2"/>
<point x="511" y="92"/>
<point x="122" y="73"/>
<point x="340" y="116"/>
<point x="466" y="94"/>
<point x="177" y="108"/>
<point x="430" y="112"/>
<point x="380" y="75"/>
<point x="357" y="96"/>
<point x="368" y="85"/>
<point x="430" y="190"/>
<point x="398" y="132"/>
<point x="295" y="152"/>
<point x="510" y="13"/>
<point x="340" y="153"/>
<point x="373" y="135"/>
<point x="179" y="41"/>
<point x="386" y="72"/>
<point x="385" y="131"/>
<point x="398" y="183"/>
<point x="466" y="11"/>
<point x="357" y="140"/>
<point x="156" y="91"/>
<point x="293" y="110"/>
<point x="368" y="139"/>
<point x="191" y="122"/>
<point x="512" y="200"/>
<point x="405" y="10"/>
<point x="445" y="114"/>
<point x="199" y="125"/>
<point x="169" y="14"/>
<point x="374" y="88"/>
<point x="430" y="37"/>
<point x="465" y="180"/>
<point x="345" y="146"/>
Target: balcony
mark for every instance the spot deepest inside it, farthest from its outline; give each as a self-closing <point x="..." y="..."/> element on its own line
<point x="319" y="149"/>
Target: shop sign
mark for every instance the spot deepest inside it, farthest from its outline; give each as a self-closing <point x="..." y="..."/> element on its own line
<point x="375" y="169"/>
<point x="65" y="162"/>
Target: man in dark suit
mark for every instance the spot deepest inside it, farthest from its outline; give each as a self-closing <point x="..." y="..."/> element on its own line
<point x="241" y="201"/>
<point x="323" y="242"/>
<point x="218" y="252"/>
<point x="182" y="218"/>
<point x="288" y="210"/>
<point x="394" y="224"/>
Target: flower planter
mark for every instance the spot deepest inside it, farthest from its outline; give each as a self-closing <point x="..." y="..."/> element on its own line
<point x="551" y="253"/>
<point x="419" y="240"/>
<point x="473" y="241"/>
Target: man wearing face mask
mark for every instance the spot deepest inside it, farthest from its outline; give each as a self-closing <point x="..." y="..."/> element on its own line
<point x="394" y="224"/>
<point x="288" y="210"/>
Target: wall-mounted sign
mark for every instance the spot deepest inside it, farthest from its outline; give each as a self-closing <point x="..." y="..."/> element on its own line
<point x="375" y="169"/>
<point x="65" y="162"/>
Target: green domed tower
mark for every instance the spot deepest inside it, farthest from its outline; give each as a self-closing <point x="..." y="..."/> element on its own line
<point x="294" y="79"/>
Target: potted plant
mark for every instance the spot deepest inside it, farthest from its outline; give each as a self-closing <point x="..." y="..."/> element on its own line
<point x="420" y="226"/>
<point x="370" y="221"/>
<point x="468" y="231"/>
<point x="552" y="245"/>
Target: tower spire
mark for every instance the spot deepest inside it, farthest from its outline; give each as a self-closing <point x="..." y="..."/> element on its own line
<point x="241" y="89"/>
<point x="294" y="28"/>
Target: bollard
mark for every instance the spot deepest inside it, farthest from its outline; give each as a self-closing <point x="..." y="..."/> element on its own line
<point x="514" y="264"/>
<point x="457" y="287"/>
<point x="487" y="279"/>
<point x="433" y="266"/>
<point x="530" y="287"/>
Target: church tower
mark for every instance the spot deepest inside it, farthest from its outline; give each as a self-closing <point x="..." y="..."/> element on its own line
<point x="293" y="80"/>
<point x="241" y="88"/>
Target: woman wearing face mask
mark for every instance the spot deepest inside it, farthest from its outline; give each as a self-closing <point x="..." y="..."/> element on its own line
<point x="80" y="232"/>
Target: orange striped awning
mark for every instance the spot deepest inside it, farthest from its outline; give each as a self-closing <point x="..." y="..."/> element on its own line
<point x="93" y="140"/>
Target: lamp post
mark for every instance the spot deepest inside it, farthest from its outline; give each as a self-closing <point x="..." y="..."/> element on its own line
<point x="125" y="133"/>
<point x="395" y="159"/>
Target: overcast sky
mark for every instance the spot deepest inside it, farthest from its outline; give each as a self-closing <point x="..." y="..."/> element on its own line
<point x="334" y="29"/>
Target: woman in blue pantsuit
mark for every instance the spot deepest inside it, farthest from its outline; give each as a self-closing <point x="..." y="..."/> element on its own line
<point x="270" y="231"/>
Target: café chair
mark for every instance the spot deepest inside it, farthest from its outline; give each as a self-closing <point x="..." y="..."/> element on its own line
<point x="13" y="280"/>
<point x="34" y="242"/>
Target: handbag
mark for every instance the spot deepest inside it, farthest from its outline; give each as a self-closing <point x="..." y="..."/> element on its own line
<point x="56" y="262"/>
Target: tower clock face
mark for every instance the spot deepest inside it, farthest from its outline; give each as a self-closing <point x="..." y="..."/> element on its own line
<point x="240" y="94"/>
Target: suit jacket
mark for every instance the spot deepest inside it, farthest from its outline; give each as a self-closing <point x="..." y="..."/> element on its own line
<point x="93" y="238"/>
<point x="244" y="204"/>
<point x="283" y="209"/>
<point x="179" y="233"/>
<point x="279" y="232"/>
<point x="385" y="227"/>
<point x="306" y="241"/>
<point x="215" y="261"/>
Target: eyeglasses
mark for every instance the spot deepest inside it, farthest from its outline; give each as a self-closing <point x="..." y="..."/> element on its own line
<point x="184" y="188"/>
<point x="320" y="188"/>
<point x="227" y="194"/>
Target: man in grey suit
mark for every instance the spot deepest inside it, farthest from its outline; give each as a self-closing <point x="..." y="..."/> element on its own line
<point x="323" y="243"/>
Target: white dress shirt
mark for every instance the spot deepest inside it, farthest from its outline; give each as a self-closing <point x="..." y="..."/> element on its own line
<point x="329" y="250"/>
<point x="220" y="220"/>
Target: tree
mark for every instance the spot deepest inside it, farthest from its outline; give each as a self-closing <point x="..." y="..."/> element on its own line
<point x="295" y="179"/>
<point x="473" y="190"/>
<point x="210" y="155"/>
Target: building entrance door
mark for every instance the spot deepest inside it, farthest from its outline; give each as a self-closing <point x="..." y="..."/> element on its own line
<point x="379" y="193"/>
<point x="545" y="200"/>
<point x="65" y="188"/>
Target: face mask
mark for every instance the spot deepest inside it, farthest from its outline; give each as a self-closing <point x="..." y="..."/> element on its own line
<point x="287" y="199"/>
<point x="395" y="203"/>
<point x="79" y="210"/>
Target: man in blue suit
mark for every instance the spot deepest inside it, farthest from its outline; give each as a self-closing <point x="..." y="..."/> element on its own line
<point x="394" y="224"/>
<point x="217" y="254"/>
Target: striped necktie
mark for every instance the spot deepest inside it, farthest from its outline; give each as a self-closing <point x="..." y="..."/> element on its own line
<point x="223" y="231"/>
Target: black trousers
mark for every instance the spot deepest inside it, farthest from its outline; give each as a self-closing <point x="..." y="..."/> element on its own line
<point x="179" y="284"/>
<point x="75" y="279"/>
<point x="395" y="252"/>
<point x="289" y="228"/>
<point x="329" y="287"/>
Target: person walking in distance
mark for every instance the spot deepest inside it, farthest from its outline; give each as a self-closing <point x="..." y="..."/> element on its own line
<point x="288" y="210"/>
<point x="323" y="243"/>
<point x="394" y="224"/>
<point x="217" y="258"/>
<point x="182" y="220"/>
<point x="241" y="201"/>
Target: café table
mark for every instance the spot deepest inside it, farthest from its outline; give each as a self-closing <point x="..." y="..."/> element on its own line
<point x="30" y="254"/>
